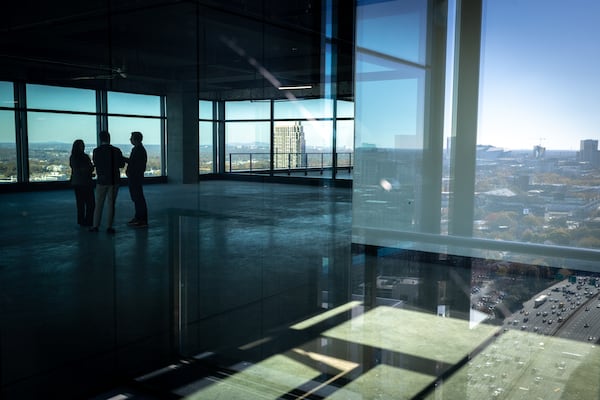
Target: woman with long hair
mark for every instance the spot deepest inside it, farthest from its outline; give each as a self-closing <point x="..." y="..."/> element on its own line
<point x="82" y="172"/>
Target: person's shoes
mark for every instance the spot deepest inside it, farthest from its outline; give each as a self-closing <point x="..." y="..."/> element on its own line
<point x="133" y="221"/>
<point x="141" y="224"/>
<point x="110" y="230"/>
<point x="93" y="229"/>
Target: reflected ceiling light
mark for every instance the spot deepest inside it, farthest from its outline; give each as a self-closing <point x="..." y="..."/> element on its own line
<point x="295" y="87"/>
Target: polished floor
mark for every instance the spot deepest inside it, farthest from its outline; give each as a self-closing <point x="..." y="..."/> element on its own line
<point x="82" y="312"/>
<point x="253" y="290"/>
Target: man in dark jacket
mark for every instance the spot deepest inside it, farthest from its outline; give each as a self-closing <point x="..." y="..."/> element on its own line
<point x="136" y="166"/>
<point x="108" y="161"/>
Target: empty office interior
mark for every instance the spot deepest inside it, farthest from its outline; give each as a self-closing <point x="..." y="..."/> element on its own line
<point x="347" y="200"/>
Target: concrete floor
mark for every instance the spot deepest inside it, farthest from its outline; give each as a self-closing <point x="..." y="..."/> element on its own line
<point x="242" y="290"/>
<point x="227" y="261"/>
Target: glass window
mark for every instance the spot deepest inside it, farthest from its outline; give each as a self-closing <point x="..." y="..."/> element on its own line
<point x="537" y="156"/>
<point x="389" y="121"/>
<point x="8" y="147"/>
<point x="50" y="140"/>
<point x="303" y="109"/>
<point x="120" y="129"/>
<point x="345" y="144"/>
<point x="396" y="28"/>
<point x="206" y="109"/>
<point x="133" y="104"/>
<point x="247" y="110"/>
<point x="247" y="146"/>
<point x="60" y="98"/>
<point x="300" y="144"/>
<point x="7" y="97"/>
<point x="345" y="109"/>
<point x="206" y="147"/>
<point x="389" y="144"/>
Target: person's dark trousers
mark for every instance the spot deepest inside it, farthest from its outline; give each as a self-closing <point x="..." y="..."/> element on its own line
<point x="139" y="201"/>
<point x="84" y="197"/>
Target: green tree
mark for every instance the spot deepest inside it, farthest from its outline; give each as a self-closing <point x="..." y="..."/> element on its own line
<point x="559" y="237"/>
<point x="589" y="242"/>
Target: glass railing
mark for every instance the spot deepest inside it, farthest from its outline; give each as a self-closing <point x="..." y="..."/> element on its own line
<point x="289" y="162"/>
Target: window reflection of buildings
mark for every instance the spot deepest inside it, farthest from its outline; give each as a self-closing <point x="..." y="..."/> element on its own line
<point x="386" y="187"/>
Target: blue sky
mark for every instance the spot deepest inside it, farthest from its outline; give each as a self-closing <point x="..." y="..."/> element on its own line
<point x="539" y="81"/>
<point x="539" y="76"/>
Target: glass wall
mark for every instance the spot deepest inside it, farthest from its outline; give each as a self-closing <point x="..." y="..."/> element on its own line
<point x="510" y="245"/>
<point x="56" y="117"/>
<point x="247" y="146"/>
<point x="206" y="140"/>
<point x="522" y="170"/>
<point x="247" y="136"/>
<point x="303" y="134"/>
<point x="135" y="112"/>
<point x="8" y="145"/>
<point x="301" y="139"/>
<point x="390" y="102"/>
<point x="537" y="157"/>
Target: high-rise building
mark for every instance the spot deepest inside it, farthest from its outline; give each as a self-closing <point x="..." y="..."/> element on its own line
<point x="588" y="152"/>
<point x="289" y="146"/>
<point x="539" y="152"/>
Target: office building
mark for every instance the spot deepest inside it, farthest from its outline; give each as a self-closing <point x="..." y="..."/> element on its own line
<point x="588" y="152"/>
<point x="383" y="265"/>
<point x="290" y="146"/>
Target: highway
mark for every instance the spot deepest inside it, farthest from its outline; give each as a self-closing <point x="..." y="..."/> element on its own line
<point x="570" y="311"/>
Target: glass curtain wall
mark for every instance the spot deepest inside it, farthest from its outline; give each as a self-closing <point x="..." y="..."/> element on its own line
<point x="247" y="136"/>
<point x="390" y="140"/>
<point x="537" y="158"/>
<point x="518" y="183"/>
<point x="143" y="113"/>
<point x="206" y="133"/>
<point x="56" y="116"/>
<point x="344" y="139"/>
<point x="301" y="137"/>
<point x="8" y="144"/>
<point x="511" y="242"/>
<point x="303" y="134"/>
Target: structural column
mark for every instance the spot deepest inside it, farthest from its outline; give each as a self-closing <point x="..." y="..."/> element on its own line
<point x="183" y="137"/>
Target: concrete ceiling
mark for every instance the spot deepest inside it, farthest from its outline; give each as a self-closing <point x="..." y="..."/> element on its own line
<point x="235" y="49"/>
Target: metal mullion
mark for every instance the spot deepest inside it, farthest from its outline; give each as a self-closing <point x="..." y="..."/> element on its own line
<point x="220" y="111"/>
<point x="272" y="138"/>
<point x="21" y="138"/>
<point x="101" y="113"/>
<point x="163" y="136"/>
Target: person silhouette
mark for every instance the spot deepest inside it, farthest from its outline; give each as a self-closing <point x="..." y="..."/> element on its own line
<point x="136" y="166"/>
<point x="82" y="171"/>
<point x="108" y="160"/>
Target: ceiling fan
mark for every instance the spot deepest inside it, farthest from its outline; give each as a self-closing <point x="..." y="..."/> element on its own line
<point x="104" y="72"/>
<point x="113" y="73"/>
